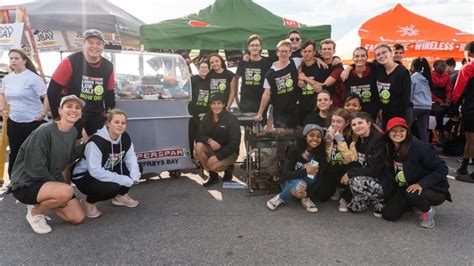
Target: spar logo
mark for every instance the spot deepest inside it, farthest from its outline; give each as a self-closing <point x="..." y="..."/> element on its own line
<point x="152" y="155"/>
<point x="291" y="23"/>
<point x="199" y="24"/>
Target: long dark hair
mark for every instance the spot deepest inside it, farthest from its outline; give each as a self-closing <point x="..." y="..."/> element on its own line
<point x="420" y="64"/>
<point x="223" y="65"/>
<point x="401" y="154"/>
<point x="319" y="152"/>
<point x="29" y="64"/>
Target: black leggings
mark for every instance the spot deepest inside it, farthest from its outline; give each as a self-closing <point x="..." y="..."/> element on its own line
<point x="327" y="183"/>
<point x="402" y="201"/>
<point x="17" y="134"/>
<point x="96" y="190"/>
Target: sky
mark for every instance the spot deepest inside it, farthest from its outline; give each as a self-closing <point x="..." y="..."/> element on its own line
<point x="343" y="15"/>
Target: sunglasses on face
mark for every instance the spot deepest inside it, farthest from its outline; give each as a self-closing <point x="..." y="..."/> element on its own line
<point x="295" y="39"/>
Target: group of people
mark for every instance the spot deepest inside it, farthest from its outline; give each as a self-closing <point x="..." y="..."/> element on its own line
<point x="357" y="145"/>
<point x="46" y="157"/>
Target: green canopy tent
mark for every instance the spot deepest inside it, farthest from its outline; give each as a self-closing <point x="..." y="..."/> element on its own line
<point x="226" y="24"/>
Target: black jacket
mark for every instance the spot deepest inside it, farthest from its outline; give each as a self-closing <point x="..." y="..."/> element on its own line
<point x="292" y="167"/>
<point x="366" y="149"/>
<point x="422" y="165"/>
<point x="226" y="132"/>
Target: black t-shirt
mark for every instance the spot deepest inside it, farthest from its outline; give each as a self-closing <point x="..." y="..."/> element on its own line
<point x="220" y="82"/>
<point x="200" y="95"/>
<point x="366" y="88"/>
<point x="251" y="90"/>
<point x="296" y="53"/>
<point x="394" y="91"/>
<point x="315" y="118"/>
<point x="308" y="95"/>
<point x="284" y="92"/>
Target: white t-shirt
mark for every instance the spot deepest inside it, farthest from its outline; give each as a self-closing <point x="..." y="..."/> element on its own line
<point x="22" y="91"/>
<point x="297" y="62"/>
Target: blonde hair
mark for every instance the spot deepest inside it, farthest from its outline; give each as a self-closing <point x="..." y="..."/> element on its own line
<point x="327" y="41"/>
<point x="285" y="42"/>
<point x="113" y="112"/>
<point x="383" y="45"/>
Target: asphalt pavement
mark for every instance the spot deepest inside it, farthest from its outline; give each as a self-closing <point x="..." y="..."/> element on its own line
<point x="181" y="222"/>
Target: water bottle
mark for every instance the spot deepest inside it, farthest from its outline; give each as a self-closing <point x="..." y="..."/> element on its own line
<point x="313" y="164"/>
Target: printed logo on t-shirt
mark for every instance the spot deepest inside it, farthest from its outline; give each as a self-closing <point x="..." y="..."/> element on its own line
<point x="363" y="91"/>
<point x="203" y="98"/>
<point x="399" y="175"/>
<point x="384" y="92"/>
<point x="113" y="160"/>
<point x="218" y="85"/>
<point x="336" y="156"/>
<point x="308" y="88"/>
<point x="92" y="88"/>
<point x="361" y="159"/>
<point x="284" y="84"/>
<point x="253" y="76"/>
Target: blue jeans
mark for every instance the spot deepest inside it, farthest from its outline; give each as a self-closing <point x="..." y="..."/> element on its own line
<point x="291" y="184"/>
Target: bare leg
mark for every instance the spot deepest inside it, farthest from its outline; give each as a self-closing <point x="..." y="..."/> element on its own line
<point x="52" y="195"/>
<point x="72" y="212"/>
<point x="201" y="151"/>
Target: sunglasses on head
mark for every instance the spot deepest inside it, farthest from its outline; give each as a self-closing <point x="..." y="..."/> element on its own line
<point x="295" y="39"/>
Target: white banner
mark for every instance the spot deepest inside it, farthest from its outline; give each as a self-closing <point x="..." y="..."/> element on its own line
<point x="75" y="39"/>
<point x="49" y="41"/>
<point x="10" y="36"/>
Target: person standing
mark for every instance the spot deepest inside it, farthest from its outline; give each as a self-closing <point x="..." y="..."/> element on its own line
<point x="252" y="73"/>
<point x="222" y="80"/>
<point x="22" y="89"/>
<point x="421" y="97"/>
<point x="441" y="93"/>
<point x="464" y="95"/>
<point x="199" y="100"/>
<point x="37" y="178"/>
<point x="89" y="76"/>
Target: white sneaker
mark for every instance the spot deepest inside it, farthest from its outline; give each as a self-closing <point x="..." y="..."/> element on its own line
<point x="343" y="206"/>
<point x="37" y="222"/>
<point x="125" y="200"/>
<point x="273" y="203"/>
<point x="309" y="205"/>
<point x="336" y="195"/>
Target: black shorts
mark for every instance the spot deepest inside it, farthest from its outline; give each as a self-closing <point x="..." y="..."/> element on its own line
<point x="28" y="195"/>
<point x="467" y="122"/>
<point x="90" y="122"/>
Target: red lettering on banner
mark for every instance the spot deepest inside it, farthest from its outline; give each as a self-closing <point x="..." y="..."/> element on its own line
<point x="149" y="155"/>
<point x="199" y="24"/>
<point x="291" y="23"/>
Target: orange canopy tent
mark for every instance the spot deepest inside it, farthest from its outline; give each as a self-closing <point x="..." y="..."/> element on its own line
<point x="422" y="37"/>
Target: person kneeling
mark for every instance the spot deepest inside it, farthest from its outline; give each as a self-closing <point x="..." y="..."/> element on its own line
<point x="109" y="166"/>
<point x="302" y="167"/>
<point x="37" y="178"/>
<point x="218" y="141"/>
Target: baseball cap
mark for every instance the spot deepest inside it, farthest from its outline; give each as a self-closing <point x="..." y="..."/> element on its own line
<point x="396" y="121"/>
<point x="217" y="97"/>
<point x="72" y="98"/>
<point x="310" y="127"/>
<point x="93" y="33"/>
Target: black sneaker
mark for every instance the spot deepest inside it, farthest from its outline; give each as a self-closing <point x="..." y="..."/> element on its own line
<point x="212" y="180"/>
<point x="466" y="178"/>
<point x="228" y="173"/>
<point x="461" y="171"/>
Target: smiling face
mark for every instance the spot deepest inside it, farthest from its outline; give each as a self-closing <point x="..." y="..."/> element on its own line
<point x="71" y="111"/>
<point x="327" y="51"/>
<point x="338" y="123"/>
<point x="216" y="63"/>
<point x="323" y="102"/>
<point x="117" y="125"/>
<point x="360" y="57"/>
<point x="398" y="55"/>
<point x="361" y="127"/>
<point x="284" y="53"/>
<point x="352" y="105"/>
<point x="255" y="47"/>
<point x="203" y="69"/>
<point x="17" y="63"/>
<point x="383" y="55"/>
<point x="217" y="107"/>
<point x="313" y="139"/>
<point x="397" y="134"/>
<point x="92" y="49"/>
<point x="295" y="39"/>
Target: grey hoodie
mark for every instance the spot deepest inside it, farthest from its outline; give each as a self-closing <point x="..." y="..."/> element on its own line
<point x="420" y="92"/>
<point x="93" y="163"/>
